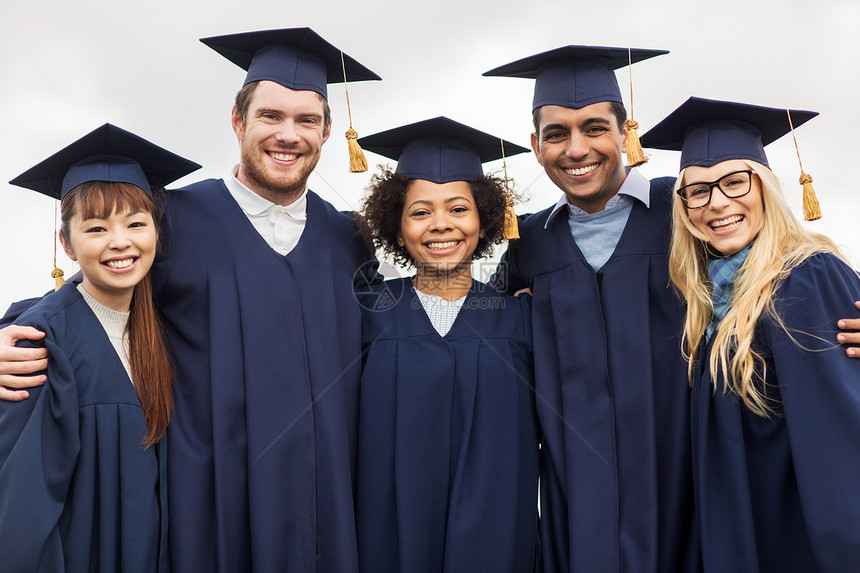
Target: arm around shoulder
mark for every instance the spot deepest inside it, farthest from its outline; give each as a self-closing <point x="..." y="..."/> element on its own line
<point x="20" y="365"/>
<point x="851" y="333"/>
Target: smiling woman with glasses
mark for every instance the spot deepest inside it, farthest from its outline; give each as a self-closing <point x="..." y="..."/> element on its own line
<point x="775" y="406"/>
<point x="733" y="185"/>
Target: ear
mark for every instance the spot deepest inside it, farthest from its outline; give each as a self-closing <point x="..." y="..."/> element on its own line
<point x="67" y="247"/>
<point x="482" y="233"/>
<point x="536" y="148"/>
<point x="236" y="120"/>
<point x="624" y="133"/>
<point x="327" y="132"/>
<point x="400" y="240"/>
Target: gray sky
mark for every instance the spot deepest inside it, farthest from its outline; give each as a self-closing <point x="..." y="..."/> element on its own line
<point x="68" y="67"/>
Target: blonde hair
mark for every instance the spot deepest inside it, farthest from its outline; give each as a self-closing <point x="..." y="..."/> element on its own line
<point x="781" y="244"/>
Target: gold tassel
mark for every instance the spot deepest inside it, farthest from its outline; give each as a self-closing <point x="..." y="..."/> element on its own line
<point x="512" y="230"/>
<point x="357" y="161"/>
<point x="635" y="155"/>
<point x="811" y="209"/>
<point x="57" y="273"/>
<point x="58" y="278"/>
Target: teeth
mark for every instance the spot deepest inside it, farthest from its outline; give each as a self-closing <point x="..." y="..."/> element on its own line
<point x="728" y="221"/>
<point x="582" y="170"/>
<point x="441" y="246"/>
<point x="121" y="264"/>
<point x="283" y="156"/>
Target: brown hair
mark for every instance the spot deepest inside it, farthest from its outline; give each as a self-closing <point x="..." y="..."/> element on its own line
<point x="382" y="209"/>
<point x="246" y="94"/>
<point x="147" y="352"/>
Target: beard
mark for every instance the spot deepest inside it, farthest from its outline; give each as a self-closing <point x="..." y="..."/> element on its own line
<point x="279" y="188"/>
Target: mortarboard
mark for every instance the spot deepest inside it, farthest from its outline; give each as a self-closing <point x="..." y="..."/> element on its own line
<point x="707" y="132"/>
<point x="105" y="154"/>
<point x="296" y="58"/>
<point x="439" y="150"/>
<point x="575" y="76"/>
<point x="442" y="150"/>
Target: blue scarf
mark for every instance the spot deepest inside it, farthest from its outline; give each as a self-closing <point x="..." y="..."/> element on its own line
<point x="722" y="273"/>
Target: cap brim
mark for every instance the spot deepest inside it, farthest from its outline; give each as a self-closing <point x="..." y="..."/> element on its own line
<point x="615" y="58"/>
<point x="161" y="166"/>
<point x="240" y="49"/>
<point x="770" y="121"/>
<point x="390" y="143"/>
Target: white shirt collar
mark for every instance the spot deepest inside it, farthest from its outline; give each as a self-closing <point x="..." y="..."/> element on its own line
<point x="635" y="185"/>
<point x="255" y="205"/>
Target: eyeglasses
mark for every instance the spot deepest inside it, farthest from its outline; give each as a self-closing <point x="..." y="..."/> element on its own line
<point x="735" y="184"/>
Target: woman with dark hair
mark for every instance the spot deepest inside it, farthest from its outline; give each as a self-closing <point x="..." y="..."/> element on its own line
<point x="82" y="461"/>
<point x="448" y="437"/>
<point x="775" y="407"/>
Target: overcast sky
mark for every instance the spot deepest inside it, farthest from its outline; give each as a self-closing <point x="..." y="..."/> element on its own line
<point x="68" y="67"/>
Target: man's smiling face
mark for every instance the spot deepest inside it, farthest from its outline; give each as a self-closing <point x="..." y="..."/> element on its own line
<point x="581" y="150"/>
<point x="281" y="137"/>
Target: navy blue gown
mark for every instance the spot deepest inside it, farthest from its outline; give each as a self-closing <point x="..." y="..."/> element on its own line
<point x="612" y="395"/>
<point x="16" y="309"/>
<point x="448" y="441"/>
<point x="781" y="494"/>
<point x="268" y="360"/>
<point x="77" y="490"/>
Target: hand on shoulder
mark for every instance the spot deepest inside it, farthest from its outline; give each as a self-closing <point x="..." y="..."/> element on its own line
<point x="17" y="363"/>
<point x="851" y="334"/>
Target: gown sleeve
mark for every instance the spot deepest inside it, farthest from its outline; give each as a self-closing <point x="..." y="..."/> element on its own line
<point x="39" y="445"/>
<point x="507" y="277"/>
<point x="820" y="392"/>
<point x="16" y="309"/>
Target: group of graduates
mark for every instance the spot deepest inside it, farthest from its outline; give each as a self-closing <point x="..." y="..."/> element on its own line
<point x="230" y="386"/>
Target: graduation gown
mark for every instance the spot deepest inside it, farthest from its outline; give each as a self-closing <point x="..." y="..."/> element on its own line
<point x="77" y="490"/>
<point x="16" y="309"/>
<point x="613" y="397"/>
<point x="267" y="351"/>
<point x="448" y="441"/>
<point x="781" y="494"/>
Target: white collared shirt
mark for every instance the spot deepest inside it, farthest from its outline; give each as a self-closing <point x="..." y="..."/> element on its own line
<point x="280" y="225"/>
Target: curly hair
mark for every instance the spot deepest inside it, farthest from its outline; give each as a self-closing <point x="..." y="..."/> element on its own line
<point x="382" y="209"/>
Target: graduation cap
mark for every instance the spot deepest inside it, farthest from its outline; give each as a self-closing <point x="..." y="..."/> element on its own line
<point x="441" y="150"/>
<point x="578" y="76"/>
<point x="296" y="58"/>
<point x="107" y="153"/>
<point x="299" y="59"/>
<point x="707" y="132"/>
